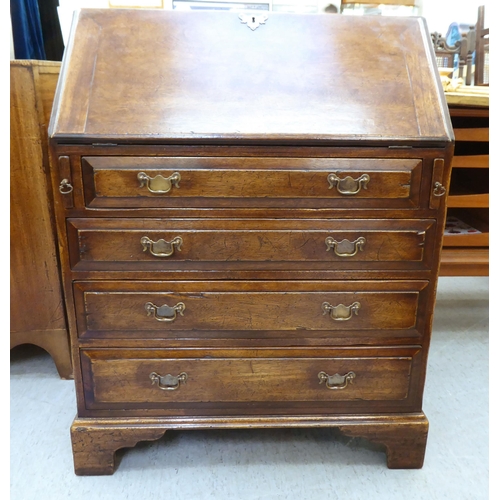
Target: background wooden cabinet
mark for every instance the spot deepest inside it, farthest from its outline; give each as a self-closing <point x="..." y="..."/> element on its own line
<point x="36" y="305"/>
<point x="465" y="253"/>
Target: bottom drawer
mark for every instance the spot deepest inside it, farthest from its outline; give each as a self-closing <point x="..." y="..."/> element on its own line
<point x="265" y="380"/>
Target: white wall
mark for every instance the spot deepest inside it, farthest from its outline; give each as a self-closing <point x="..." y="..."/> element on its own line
<point x="438" y="13"/>
<point x="441" y="13"/>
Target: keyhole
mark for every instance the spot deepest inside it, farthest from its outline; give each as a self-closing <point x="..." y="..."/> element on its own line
<point x="253" y="19"/>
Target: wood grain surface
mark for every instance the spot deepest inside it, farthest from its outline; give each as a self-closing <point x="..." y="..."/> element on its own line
<point x="117" y="309"/>
<point x="250" y="305"/>
<point x="122" y="379"/>
<point x="37" y="313"/>
<point x="116" y="177"/>
<point x="222" y="83"/>
<point x="116" y="243"/>
<point x="95" y="441"/>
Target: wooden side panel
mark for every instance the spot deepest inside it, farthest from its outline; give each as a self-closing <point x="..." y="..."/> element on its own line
<point x="438" y="192"/>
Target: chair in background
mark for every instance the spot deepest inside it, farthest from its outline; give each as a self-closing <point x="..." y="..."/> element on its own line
<point x="465" y="48"/>
<point x="453" y="58"/>
<point x="472" y="52"/>
<point x="482" y="62"/>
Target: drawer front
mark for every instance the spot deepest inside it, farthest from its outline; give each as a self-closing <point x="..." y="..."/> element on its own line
<point x="117" y="182"/>
<point x="154" y="379"/>
<point x="166" y="244"/>
<point x="200" y="310"/>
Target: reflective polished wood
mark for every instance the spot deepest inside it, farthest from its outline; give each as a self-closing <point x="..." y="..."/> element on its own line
<point x="250" y="224"/>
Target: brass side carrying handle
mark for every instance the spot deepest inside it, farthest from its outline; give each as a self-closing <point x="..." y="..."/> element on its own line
<point x="164" y="312"/>
<point x="65" y="187"/>
<point x="345" y="248"/>
<point x="439" y="189"/>
<point x="336" y="381"/>
<point x="159" y="184"/>
<point x="168" y="382"/>
<point x="348" y="185"/>
<point x="341" y="312"/>
<point x="161" y="248"/>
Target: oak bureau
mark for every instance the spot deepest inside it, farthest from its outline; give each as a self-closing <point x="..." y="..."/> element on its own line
<point x="250" y="211"/>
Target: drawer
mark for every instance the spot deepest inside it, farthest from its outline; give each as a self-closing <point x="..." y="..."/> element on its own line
<point x="253" y="379"/>
<point x="168" y="244"/>
<point x="133" y="182"/>
<point x="258" y="309"/>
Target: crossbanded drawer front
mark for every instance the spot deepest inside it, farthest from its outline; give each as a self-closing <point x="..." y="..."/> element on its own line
<point x="127" y="379"/>
<point x="167" y="244"/>
<point x="190" y="310"/>
<point x="118" y="182"/>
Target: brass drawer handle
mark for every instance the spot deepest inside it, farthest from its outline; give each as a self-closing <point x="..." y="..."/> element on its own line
<point x="341" y="312"/>
<point x="161" y="248"/>
<point x="168" y="382"/>
<point x="439" y="189"/>
<point x="159" y="184"/>
<point x="164" y="312"/>
<point x="336" y="381"/>
<point x="65" y="187"/>
<point x="345" y="248"/>
<point x="348" y="185"/>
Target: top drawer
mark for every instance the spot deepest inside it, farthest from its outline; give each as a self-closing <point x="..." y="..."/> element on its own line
<point x="163" y="182"/>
